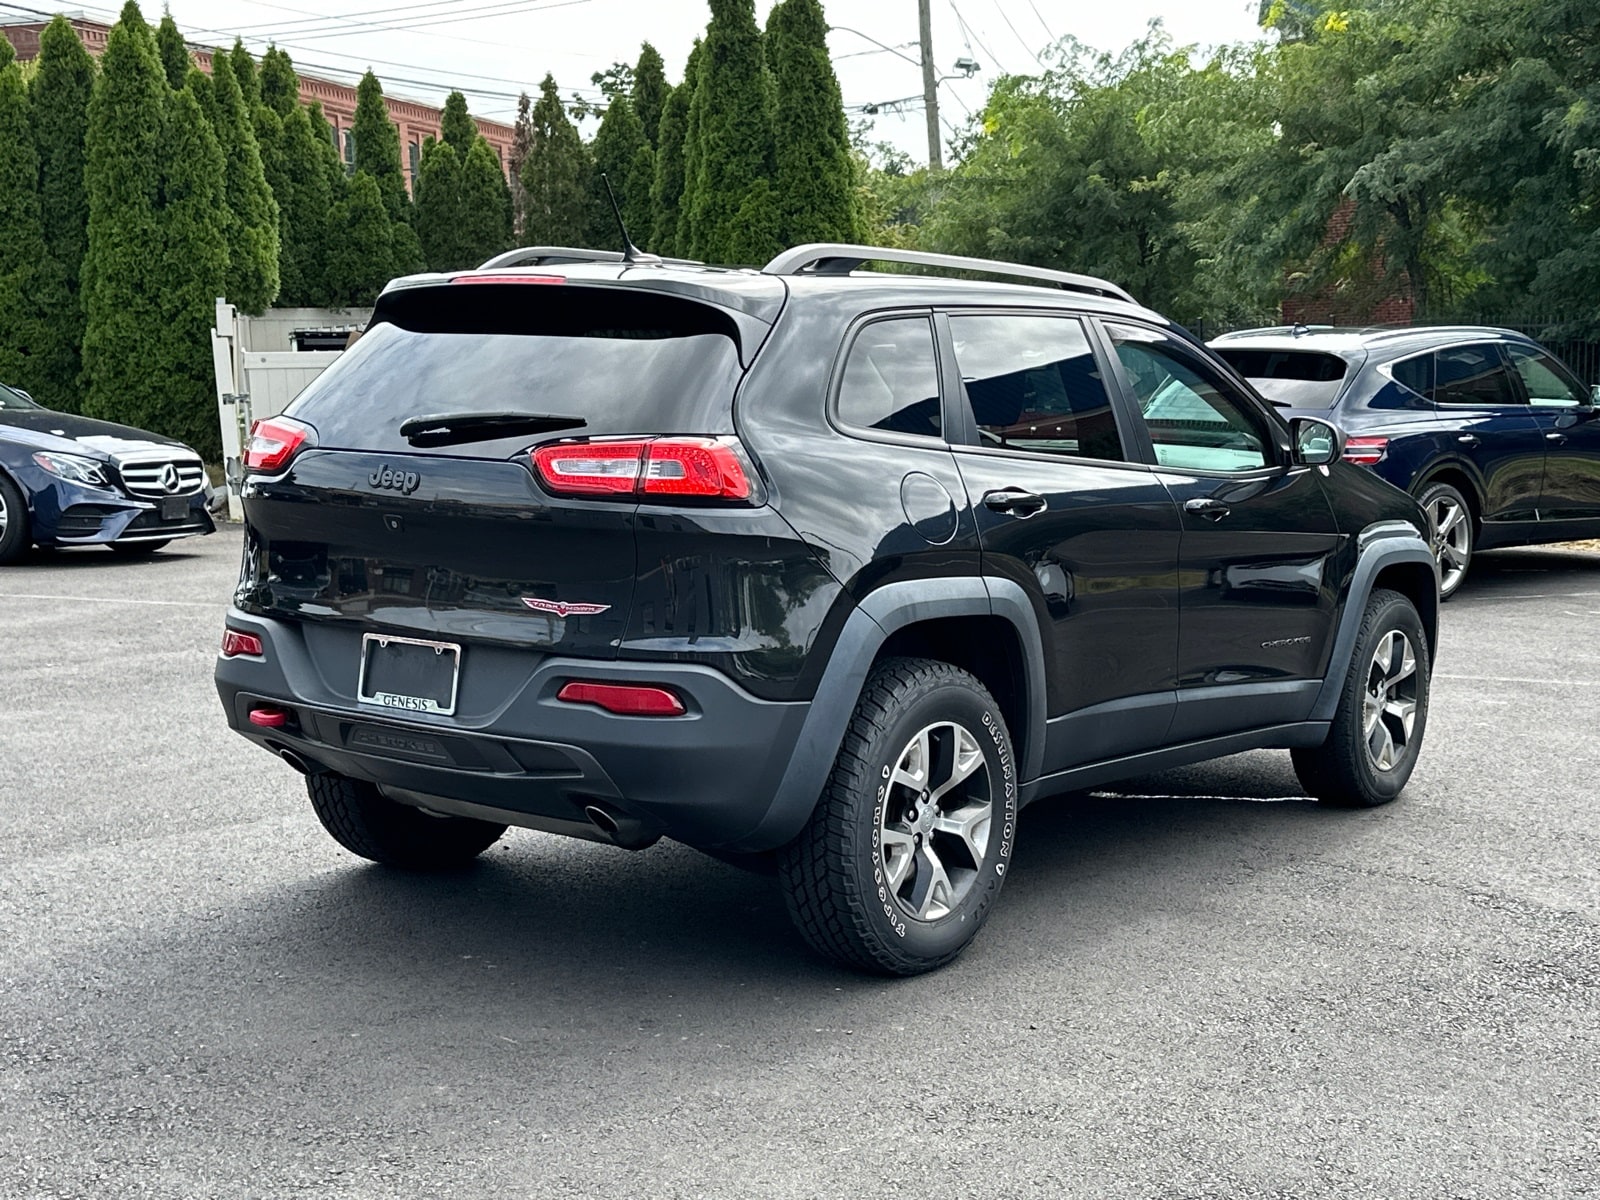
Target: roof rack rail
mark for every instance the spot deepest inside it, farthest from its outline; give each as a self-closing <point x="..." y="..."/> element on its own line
<point x="544" y="256"/>
<point x="839" y="258"/>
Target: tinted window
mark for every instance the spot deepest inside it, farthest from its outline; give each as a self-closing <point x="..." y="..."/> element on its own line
<point x="1548" y="384"/>
<point x="12" y="399"/>
<point x="1033" y="384"/>
<point x="624" y="362"/>
<point x="1473" y="375"/>
<point x="1194" y="419"/>
<point x="891" y="379"/>
<point x="1290" y="378"/>
<point x="1416" y="374"/>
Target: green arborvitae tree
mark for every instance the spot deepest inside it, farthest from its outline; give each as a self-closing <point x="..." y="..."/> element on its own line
<point x="59" y="99"/>
<point x="485" y="204"/>
<point x="438" y="207"/>
<point x="244" y="72"/>
<point x="683" y="238"/>
<point x="735" y="100"/>
<point x="555" y="177"/>
<point x="253" y="212"/>
<point x="316" y="185"/>
<point x="650" y="90"/>
<point x="816" y="173"/>
<point x="666" y="189"/>
<point x="361" y="251"/>
<point x="123" y="276"/>
<point x="280" y="86"/>
<point x="378" y="146"/>
<point x="457" y="129"/>
<point x="21" y="235"/>
<point x="194" y="266"/>
<point x="521" y="144"/>
<point x="616" y="148"/>
<point x="204" y="89"/>
<point x="174" y="52"/>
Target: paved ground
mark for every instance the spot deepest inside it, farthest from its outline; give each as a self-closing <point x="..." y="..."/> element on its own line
<point x="1196" y="985"/>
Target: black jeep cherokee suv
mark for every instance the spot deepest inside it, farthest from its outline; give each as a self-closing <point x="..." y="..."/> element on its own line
<point x="835" y="568"/>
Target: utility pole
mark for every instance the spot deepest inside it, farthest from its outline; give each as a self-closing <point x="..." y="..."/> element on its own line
<point x="930" y="84"/>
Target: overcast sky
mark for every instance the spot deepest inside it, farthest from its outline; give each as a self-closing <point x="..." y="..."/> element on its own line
<point x="493" y="49"/>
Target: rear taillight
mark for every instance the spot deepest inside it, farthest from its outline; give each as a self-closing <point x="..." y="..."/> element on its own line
<point x="1365" y="451"/>
<point x="273" y="442"/>
<point x="624" y="699"/>
<point x="236" y="642"/>
<point x="704" y="468"/>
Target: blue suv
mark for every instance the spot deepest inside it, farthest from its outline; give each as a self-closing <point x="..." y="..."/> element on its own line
<point x="1494" y="435"/>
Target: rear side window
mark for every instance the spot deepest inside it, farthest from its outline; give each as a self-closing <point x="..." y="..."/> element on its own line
<point x="1033" y="384"/>
<point x="1291" y="378"/>
<point x="891" y="379"/>
<point x="1472" y="375"/>
<point x="1415" y="374"/>
<point x="625" y="361"/>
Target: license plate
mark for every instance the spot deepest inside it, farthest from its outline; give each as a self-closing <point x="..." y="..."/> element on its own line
<point x="174" y="508"/>
<point x="409" y="674"/>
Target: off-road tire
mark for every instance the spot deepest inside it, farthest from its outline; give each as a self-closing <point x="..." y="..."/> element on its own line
<point x="832" y="874"/>
<point x="366" y="822"/>
<point x="1454" y="559"/>
<point x="1344" y="772"/>
<point x="15" y="540"/>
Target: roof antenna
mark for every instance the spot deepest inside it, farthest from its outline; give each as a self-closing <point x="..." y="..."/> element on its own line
<point x="632" y="256"/>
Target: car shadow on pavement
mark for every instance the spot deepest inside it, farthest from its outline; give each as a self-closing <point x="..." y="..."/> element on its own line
<point x="80" y="557"/>
<point x="1541" y="569"/>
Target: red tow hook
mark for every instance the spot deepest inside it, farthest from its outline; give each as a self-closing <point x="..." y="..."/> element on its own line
<point x="269" y="718"/>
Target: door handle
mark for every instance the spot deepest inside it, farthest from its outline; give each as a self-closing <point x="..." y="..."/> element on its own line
<point x="1469" y="439"/>
<point x="1211" y="510"/>
<point x="1014" y="501"/>
<point x="1555" y="439"/>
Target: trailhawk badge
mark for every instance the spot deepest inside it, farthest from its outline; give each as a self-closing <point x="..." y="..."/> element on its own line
<point x="564" y="608"/>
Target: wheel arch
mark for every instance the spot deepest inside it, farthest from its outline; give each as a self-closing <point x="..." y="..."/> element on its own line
<point x="1460" y="478"/>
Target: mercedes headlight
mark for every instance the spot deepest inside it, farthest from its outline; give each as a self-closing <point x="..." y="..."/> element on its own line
<point x="73" y="468"/>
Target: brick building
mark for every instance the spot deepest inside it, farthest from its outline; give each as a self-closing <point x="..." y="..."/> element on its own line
<point x="414" y="120"/>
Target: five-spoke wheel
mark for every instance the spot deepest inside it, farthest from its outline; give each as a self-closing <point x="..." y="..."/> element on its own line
<point x="1450" y="522"/>
<point x="934" y="826"/>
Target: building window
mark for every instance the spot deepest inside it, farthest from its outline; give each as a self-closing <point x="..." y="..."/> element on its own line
<point x="350" y="151"/>
<point x="413" y="155"/>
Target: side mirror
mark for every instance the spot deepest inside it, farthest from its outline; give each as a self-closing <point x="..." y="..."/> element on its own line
<point x="1316" y="442"/>
<point x="1594" y="396"/>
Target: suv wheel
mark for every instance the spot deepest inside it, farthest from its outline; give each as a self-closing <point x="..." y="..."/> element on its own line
<point x="13" y="522"/>
<point x="366" y="822"/>
<point x="1383" y="711"/>
<point x="1450" y="520"/>
<point x="908" y="847"/>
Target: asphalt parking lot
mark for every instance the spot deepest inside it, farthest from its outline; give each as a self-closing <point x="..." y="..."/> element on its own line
<point x="1197" y="983"/>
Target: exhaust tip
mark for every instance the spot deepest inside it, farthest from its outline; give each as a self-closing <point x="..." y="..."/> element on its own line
<point x="628" y="832"/>
<point x="295" y="761"/>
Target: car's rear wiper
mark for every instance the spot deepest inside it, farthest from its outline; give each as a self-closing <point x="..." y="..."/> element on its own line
<point x="452" y="429"/>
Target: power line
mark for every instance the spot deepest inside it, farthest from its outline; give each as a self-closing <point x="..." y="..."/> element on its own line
<point x="1001" y="10"/>
<point x="973" y="37"/>
<point x="1042" y="23"/>
<point x="313" y="20"/>
<point x="412" y="25"/>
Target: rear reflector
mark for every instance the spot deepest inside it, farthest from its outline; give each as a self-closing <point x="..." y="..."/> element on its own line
<point x="269" y="718"/>
<point x="1365" y="451"/>
<point x="236" y="642"/>
<point x="625" y="699"/>
<point x="509" y="279"/>
<point x="273" y="442"/>
<point x="708" y="468"/>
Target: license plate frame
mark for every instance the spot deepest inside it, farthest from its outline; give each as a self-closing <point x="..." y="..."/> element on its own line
<point x="383" y="672"/>
<point x="174" y="508"/>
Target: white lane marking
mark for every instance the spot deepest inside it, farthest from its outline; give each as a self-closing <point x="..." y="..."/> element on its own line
<point x="108" y="600"/>
<point x="1504" y="679"/>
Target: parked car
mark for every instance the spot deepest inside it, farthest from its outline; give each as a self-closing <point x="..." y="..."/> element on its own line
<point x="67" y="480"/>
<point x="1492" y="433"/>
<point x="832" y="569"/>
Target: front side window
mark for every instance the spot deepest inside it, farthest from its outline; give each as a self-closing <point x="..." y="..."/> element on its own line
<point x="1548" y="385"/>
<point x="1196" y="422"/>
<point x="1033" y="384"/>
<point x="891" y="379"/>
<point x="1473" y="376"/>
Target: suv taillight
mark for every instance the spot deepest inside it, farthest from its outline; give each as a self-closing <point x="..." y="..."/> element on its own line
<point x="704" y="468"/>
<point x="1365" y="451"/>
<point x="273" y="442"/>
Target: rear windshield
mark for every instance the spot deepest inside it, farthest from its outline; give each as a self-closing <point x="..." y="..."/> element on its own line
<point x="624" y="361"/>
<point x="1291" y="378"/>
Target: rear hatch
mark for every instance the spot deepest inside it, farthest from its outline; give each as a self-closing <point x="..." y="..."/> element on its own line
<point x="1293" y="378"/>
<point x="414" y="508"/>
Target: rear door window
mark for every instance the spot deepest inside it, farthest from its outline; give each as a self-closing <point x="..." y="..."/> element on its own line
<point x="891" y="379"/>
<point x="1032" y="383"/>
<point x="1473" y="376"/>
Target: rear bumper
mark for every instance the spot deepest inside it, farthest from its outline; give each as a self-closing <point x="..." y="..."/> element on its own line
<point x="706" y="778"/>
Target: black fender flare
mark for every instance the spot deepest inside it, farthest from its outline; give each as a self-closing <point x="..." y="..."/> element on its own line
<point x="891" y="607"/>
<point x="1383" y="545"/>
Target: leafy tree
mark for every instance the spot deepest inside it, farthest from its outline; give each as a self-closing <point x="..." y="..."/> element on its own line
<point x="439" y="208"/>
<point x="485" y="204"/>
<point x="253" y="212"/>
<point x="174" y="52"/>
<point x="555" y="177"/>
<point x="280" y="86"/>
<point x="617" y="155"/>
<point x="378" y="146"/>
<point x="734" y="97"/>
<point x="666" y="188"/>
<point x="244" y="71"/>
<point x="521" y="145"/>
<point x="123" y="276"/>
<point x="650" y="90"/>
<point x="21" y="234"/>
<point x="361" y="251"/>
<point x="59" y="99"/>
<point x="815" y="169"/>
<point x="457" y="129"/>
